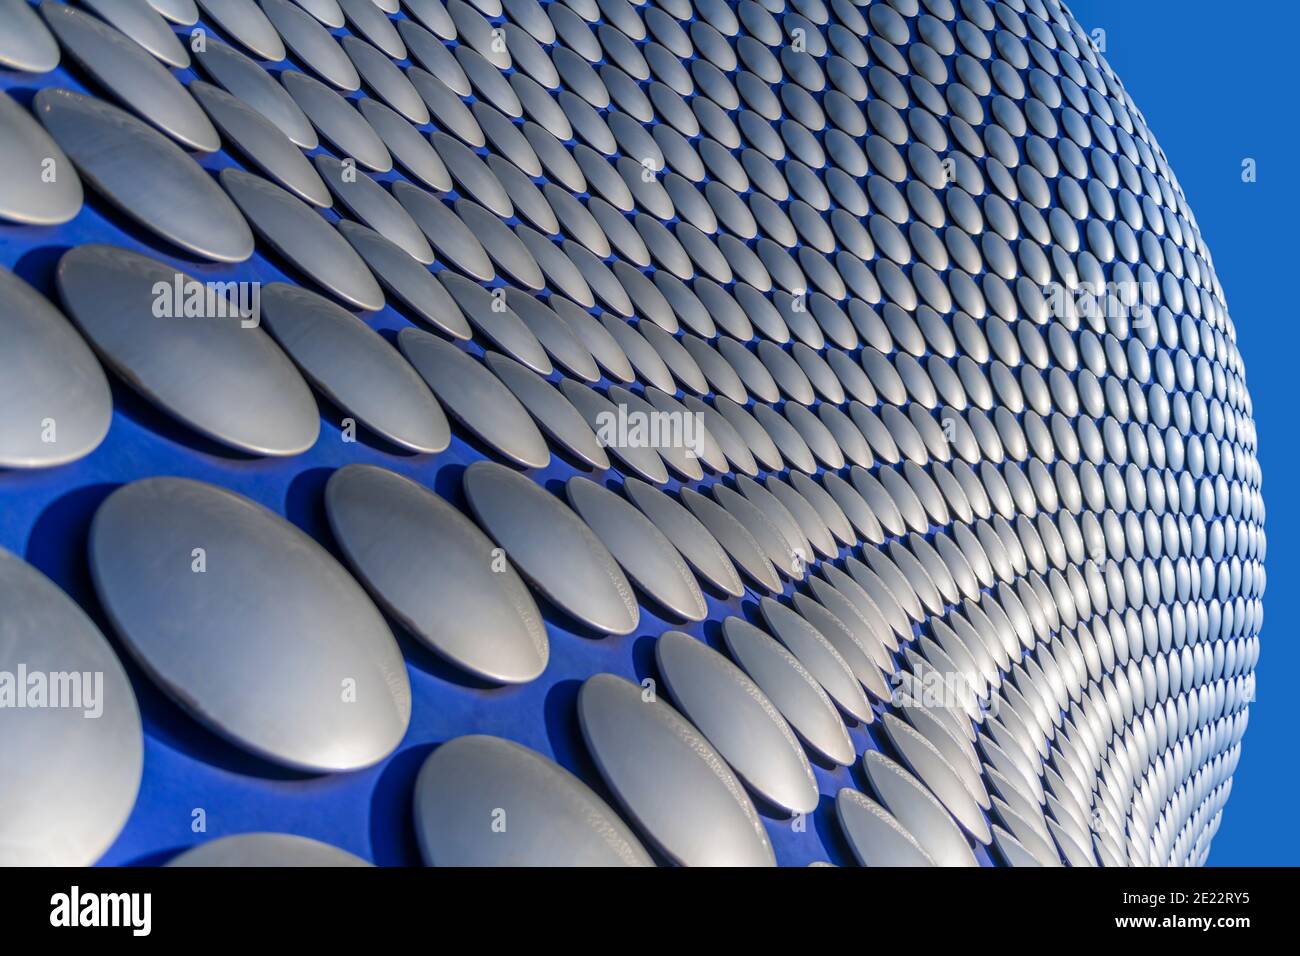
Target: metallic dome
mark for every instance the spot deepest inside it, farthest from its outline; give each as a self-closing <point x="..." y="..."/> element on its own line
<point x="863" y="359"/>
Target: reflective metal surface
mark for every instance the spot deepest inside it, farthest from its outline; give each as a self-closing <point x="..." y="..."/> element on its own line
<point x="554" y="414"/>
<point x="245" y="23"/>
<point x="687" y="534"/>
<point x="262" y="142"/>
<point x="554" y="548"/>
<point x="434" y="571"/>
<point x="816" y="323"/>
<point x="369" y="202"/>
<point x="475" y="397"/>
<point x="57" y="398"/>
<point x="668" y="779"/>
<point x="876" y="837"/>
<point x="819" y="656"/>
<point x="266" y="849"/>
<point x="25" y="42"/>
<point x="337" y="121"/>
<point x="492" y="316"/>
<point x="249" y="625"/>
<point x="743" y="548"/>
<point x="131" y="75"/>
<point x="355" y="368"/>
<point x="640" y="548"/>
<point x="189" y="350"/>
<point x="242" y="77"/>
<point x="140" y="22"/>
<point x="738" y="719"/>
<point x="918" y="811"/>
<point x="311" y="43"/>
<point x="417" y="290"/>
<point x="179" y="202"/>
<point x="789" y="685"/>
<point x="931" y="767"/>
<point x="298" y="233"/>
<point x="27" y="192"/>
<point x="72" y="744"/>
<point x="485" y="801"/>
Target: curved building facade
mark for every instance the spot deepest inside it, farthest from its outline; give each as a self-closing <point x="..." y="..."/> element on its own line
<point x="502" y="432"/>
